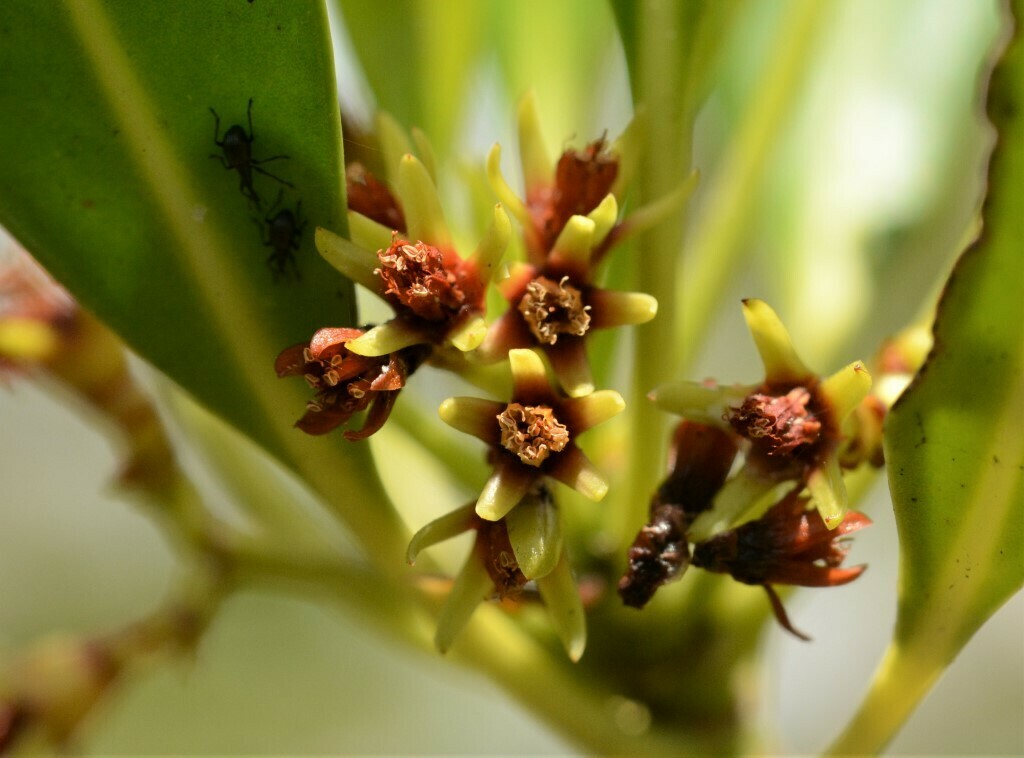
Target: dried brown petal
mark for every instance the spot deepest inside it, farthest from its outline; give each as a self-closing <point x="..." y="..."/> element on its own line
<point x="371" y="198"/>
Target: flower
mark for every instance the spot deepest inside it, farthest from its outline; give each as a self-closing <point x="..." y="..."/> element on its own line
<point x="570" y="221"/>
<point x="345" y="382"/>
<point x="532" y="436"/>
<point x="438" y="297"/>
<point x="794" y="423"/>
<point x="524" y="546"/>
<point x="582" y="183"/>
<point x="701" y="457"/>
<point x="554" y="306"/>
<point x="787" y="545"/>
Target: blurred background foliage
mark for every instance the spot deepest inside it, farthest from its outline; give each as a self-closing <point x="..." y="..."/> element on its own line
<point x="858" y="203"/>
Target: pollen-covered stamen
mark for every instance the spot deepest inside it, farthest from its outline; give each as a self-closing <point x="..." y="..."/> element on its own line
<point x="532" y="432"/>
<point x="779" y="424"/>
<point x="552" y="308"/>
<point x="416" y="276"/>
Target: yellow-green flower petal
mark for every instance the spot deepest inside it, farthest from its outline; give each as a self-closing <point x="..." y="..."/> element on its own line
<point x="424" y="216"/>
<point x="565" y="608"/>
<point x="781" y="363"/>
<point x="533" y="154"/>
<point x="386" y="338"/>
<point x="473" y="415"/>
<point x="425" y="150"/>
<point x="575" y="469"/>
<point x="696" y="402"/>
<point x="440" y="529"/>
<point x="574" y="244"/>
<point x="513" y="204"/>
<point x="535" y="533"/>
<point x="472" y="586"/>
<point x="569" y="360"/>
<point x="507" y="486"/>
<point x="845" y="389"/>
<point x="609" y="308"/>
<point x="583" y="413"/>
<point x="528" y="375"/>
<point x="355" y="262"/>
<point x="828" y="491"/>
<point x="366" y="232"/>
<point x="488" y="253"/>
<point x="469" y="334"/>
<point x="604" y="217"/>
<point x="394" y="143"/>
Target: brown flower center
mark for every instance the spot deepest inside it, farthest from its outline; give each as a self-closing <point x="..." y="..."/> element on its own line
<point x="531" y="432"/>
<point x="779" y="424"/>
<point x="551" y="308"/>
<point x="416" y="276"/>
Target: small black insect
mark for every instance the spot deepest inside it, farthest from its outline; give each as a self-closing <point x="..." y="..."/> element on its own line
<point x="237" y="155"/>
<point x="282" y="233"/>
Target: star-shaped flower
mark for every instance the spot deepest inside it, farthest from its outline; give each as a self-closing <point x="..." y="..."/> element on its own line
<point x="524" y="546"/>
<point x="555" y="305"/>
<point x="346" y="383"/>
<point x="793" y="422"/>
<point x="438" y="296"/>
<point x="533" y="436"/>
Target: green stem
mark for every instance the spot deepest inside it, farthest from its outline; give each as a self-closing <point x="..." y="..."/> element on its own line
<point x="902" y="680"/>
<point x="666" y="134"/>
<point x="492" y="643"/>
<point x="718" y="233"/>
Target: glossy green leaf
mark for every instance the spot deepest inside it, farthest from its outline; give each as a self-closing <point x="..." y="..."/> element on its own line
<point x="954" y="446"/>
<point x="105" y="147"/>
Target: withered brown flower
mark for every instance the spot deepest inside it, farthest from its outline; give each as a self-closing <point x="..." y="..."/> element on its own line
<point x="701" y="457"/>
<point x="346" y="383"/>
<point x="789" y="544"/>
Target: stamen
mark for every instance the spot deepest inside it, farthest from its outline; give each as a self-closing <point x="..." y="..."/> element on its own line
<point x="416" y="276"/>
<point x="551" y="308"/>
<point x="779" y="424"/>
<point x="532" y="432"/>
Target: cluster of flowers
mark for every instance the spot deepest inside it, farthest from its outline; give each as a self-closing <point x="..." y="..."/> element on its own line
<point x="796" y="431"/>
<point x="570" y="220"/>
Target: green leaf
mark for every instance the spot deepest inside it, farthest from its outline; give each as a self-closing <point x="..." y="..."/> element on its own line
<point x="954" y="447"/>
<point x="104" y="151"/>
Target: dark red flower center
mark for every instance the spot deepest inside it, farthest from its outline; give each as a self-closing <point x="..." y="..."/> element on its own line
<point x="780" y="425"/>
<point x="417" y="277"/>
